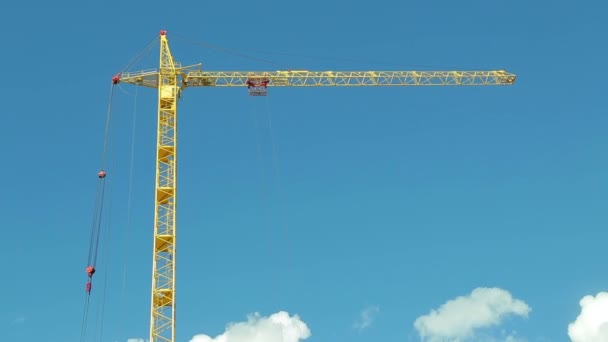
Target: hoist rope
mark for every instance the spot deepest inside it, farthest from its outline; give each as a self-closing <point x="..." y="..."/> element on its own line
<point x="273" y="145"/>
<point x="282" y="255"/>
<point x="258" y="142"/>
<point x="128" y="226"/>
<point x="99" y="200"/>
<point x="84" y="317"/>
<point x="104" y="252"/>
<point x="97" y="216"/>
<point x="271" y="205"/>
<point x="264" y="191"/>
<point x="107" y="133"/>
<point x="277" y="182"/>
<point x="94" y="243"/>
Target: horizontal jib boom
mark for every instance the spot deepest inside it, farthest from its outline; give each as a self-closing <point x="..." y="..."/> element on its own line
<point x="351" y="78"/>
<point x="331" y="78"/>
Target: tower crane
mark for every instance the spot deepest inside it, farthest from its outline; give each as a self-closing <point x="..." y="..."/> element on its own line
<point x="171" y="78"/>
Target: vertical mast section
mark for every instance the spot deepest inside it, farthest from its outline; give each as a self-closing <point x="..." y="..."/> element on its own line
<point x="162" y="325"/>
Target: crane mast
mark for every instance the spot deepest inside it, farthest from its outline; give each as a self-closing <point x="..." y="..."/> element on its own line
<point x="162" y="324"/>
<point x="171" y="78"/>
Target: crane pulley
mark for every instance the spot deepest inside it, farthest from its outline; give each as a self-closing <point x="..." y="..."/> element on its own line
<point x="257" y="85"/>
<point x="171" y="78"/>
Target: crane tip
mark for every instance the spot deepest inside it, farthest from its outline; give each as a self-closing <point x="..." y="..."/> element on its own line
<point x="163" y="32"/>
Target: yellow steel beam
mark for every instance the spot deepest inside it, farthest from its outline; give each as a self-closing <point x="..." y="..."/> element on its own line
<point x="197" y="78"/>
<point x="348" y="78"/>
<point x="162" y="324"/>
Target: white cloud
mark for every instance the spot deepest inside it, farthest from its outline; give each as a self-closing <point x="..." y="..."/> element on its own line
<point x="503" y="336"/>
<point x="136" y="340"/>
<point x="459" y="318"/>
<point x="591" y="325"/>
<point x="513" y="338"/>
<point x="278" y="327"/>
<point x="367" y="317"/>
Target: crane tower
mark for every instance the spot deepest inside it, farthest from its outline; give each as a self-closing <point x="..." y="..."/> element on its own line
<point x="171" y="78"/>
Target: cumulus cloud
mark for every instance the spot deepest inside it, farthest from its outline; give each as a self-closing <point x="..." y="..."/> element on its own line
<point x="367" y="317"/>
<point x="513" y="338"/>
<point x="591" y="325"/>
<point x="278" y="327"/>
<point x="458" y="319"/>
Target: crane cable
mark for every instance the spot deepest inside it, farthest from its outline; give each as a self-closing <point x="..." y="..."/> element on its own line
<point x="132" y="62"/>
<point x="313" y="58"/>
<point x="99" y="204"/>
<point x="282" y="247"/>
<point x="123" y="308"/>
<point x="99" y="199"/>
<point x="275" y="175"/>
<point x="104" y="251"/>
<point x="230" y="51"/>
<point x="140" y="55"/>
<point x="97" y="218"/>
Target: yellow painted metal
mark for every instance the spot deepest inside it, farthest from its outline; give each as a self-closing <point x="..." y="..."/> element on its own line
<point x="171" y="78"/>
<point x="162" y="324"/>
<point x="197" y="78"/>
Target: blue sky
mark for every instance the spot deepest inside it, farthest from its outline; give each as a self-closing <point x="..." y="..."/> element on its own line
<point x="361" y="210"/>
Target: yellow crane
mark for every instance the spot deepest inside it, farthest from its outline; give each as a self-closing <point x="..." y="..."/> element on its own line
<point x="171" y="79"/>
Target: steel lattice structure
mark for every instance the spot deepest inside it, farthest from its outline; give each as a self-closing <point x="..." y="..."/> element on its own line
<point x="171" y="78"/>
<point x="304" y="78"/>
